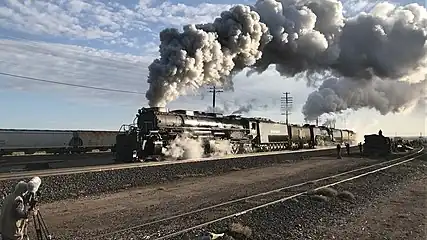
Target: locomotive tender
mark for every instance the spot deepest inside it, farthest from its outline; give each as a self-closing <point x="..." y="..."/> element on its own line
<point x="155" y="128"/>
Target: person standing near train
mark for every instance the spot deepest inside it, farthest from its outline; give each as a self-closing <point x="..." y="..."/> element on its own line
<point x="360" y="148"/>
<point x="339" y="151"/>
<point x="347" y="146"/>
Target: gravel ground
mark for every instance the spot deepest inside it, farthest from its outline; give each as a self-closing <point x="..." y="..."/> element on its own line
<point x="55" y="162"/>
<point x="86" y="217"/>
<point x="71" y="186"/>
<point x="321" y="217"/>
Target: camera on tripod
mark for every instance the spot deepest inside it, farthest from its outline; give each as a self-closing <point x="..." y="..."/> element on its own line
<point x="31" y="198"/>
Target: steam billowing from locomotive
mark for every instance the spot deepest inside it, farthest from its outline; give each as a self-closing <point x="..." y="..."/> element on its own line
<point x="369" y="58"/>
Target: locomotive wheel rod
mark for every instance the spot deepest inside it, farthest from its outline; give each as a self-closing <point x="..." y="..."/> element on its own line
<point x="391" y="162"/>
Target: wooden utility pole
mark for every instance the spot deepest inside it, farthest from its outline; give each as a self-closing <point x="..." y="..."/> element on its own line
<point x="286" y="105"/>
<point x="214" y="91"/>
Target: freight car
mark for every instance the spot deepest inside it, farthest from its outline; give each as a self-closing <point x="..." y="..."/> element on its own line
<point x="55" y="141"/>
<point x="155" y="128"/>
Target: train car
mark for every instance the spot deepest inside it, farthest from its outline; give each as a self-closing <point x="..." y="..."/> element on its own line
<point x="320" y="136"/>
<point x="300" y="136"/>
<point x="54" y="141"/>
<point x="156" y="128"/>
<point x="93" y="140"/>
<point x="337" y="135"/>
<point x="273" y="136"/>
<point x="345" y="136"/>
<point x="31" y="141"/>
<point x="349" y="137"/>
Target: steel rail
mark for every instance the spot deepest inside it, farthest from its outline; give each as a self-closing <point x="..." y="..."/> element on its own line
<point x="281" y="200"/>
<point x="114" y="167"/>
<point x="255" y="195"/>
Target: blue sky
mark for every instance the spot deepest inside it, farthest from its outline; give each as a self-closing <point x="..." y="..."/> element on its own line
<point x="109" y="44"/>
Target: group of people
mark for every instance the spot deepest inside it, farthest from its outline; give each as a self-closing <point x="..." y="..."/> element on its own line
<point x="15" y="213"/>
<point x="347" y="147"/>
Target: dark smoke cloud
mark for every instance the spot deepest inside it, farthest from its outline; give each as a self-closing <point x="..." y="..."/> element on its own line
<point x="336" y="95"/>
<point x="369" y="54"/>
<point x="205" y="54"/>
<point x="316" y="37"/>
<point x="249" y="106"/>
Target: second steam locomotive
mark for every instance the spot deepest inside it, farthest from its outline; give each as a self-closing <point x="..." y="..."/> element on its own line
<point x="155" y="128"/>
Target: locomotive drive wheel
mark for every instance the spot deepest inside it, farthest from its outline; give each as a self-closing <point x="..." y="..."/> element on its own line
<point x="235" y="148"/>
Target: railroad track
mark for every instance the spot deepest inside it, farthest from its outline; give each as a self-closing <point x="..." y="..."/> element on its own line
<point x="51" y="156"/>
<point x="112" y="167"/>
<point x="167" y="228"/>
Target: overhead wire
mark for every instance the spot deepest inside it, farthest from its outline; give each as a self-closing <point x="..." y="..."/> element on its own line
<point x="124" y="77"/>
<point x="69" y="84"/>
<point x="37" y="44"/>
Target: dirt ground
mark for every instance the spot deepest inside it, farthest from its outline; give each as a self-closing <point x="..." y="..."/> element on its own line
<point x="402" y="215"/>
<point x="110" y="212"/>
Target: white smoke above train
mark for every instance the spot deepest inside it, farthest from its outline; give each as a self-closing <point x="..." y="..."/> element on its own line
<point x="372" y="60"/>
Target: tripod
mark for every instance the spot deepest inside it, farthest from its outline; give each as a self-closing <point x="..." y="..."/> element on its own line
<point x="42" y="232"/>
<point x="40" y="226"/>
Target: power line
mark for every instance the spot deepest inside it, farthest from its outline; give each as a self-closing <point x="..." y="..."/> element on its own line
<point x="42" y="63"/>
<point x="98" y="61"/>
<point x="69" y="84"/>
<point x="77" y="73"/>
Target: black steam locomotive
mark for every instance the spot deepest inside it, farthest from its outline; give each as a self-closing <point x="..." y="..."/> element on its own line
<point x="155" y="128"/>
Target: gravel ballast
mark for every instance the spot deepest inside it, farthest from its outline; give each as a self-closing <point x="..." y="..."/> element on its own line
<point x="313" y="217"/>
<point x="60" y="187"/>
<point x="87" y="217"/>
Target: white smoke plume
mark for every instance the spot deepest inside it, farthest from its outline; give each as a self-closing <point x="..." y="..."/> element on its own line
<point x="363" y="127"/>
<point x="186" y="147"/>
<point x="377" y="49"/>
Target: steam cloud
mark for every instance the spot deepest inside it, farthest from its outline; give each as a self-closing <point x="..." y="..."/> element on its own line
<point x="249" y="106"/>
<point x="241" y="108"/>
<point x="369" y="57"/>
<point x="330" y="122"/>
<point x="186" y="147"/>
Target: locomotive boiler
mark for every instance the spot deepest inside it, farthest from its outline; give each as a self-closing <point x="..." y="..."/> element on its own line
<point x="155" y="128"/>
